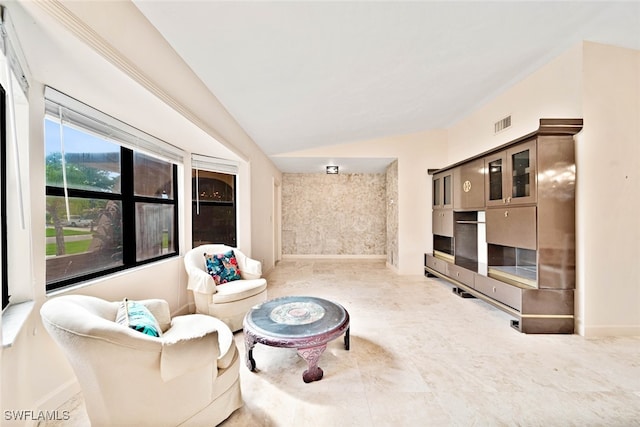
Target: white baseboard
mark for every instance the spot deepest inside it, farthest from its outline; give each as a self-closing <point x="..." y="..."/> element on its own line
<point x="58" y="397"/>
<point x="610" y="331"/>
<point x="185" y="309"/>
<point x="336" y="256"/>
<point x="267" y="271"/>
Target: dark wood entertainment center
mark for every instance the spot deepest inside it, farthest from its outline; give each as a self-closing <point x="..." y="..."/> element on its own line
<point x="504" y="227"/>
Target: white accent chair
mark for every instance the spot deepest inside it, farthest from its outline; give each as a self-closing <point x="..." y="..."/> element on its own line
<point x="187" y="376"/>
<point x="230" y="301"/>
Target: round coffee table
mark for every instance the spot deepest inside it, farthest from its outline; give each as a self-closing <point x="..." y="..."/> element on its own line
<point x="304" y="323"/>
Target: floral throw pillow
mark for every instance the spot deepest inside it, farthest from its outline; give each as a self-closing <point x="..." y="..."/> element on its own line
<point x="222" y="267"/>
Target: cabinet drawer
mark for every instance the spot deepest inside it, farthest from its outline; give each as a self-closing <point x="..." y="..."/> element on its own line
<point x="499" y="291"/>
<point x="515" y="227"/>
<point x="461" y="274"/>
<point x="437" y="264"/>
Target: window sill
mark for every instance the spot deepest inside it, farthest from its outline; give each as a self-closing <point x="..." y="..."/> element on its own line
<point x="13" y="318"/>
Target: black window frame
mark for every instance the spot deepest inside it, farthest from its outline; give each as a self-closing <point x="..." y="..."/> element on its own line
<point x="126" y="195"/>
<point x="3" y="198"/>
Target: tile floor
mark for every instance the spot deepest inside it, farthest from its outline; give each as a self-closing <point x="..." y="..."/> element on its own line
<point x="421" y="356"/>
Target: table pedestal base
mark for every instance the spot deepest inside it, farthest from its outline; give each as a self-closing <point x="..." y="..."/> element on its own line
<point x="312" y="355"/>
<point x="249" y="343"/>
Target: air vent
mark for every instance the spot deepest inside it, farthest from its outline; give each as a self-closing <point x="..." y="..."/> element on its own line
<point x="501" y="125"/>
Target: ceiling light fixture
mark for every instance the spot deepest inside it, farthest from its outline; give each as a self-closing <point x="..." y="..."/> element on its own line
<point x="332" y="169"/>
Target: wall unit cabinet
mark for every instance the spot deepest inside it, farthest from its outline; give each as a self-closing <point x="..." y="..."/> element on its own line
<point x="504" y="230"/>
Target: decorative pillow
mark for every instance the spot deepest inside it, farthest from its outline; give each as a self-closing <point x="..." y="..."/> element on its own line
<point x="136" y="316"/>
<point x="222" y="267"/>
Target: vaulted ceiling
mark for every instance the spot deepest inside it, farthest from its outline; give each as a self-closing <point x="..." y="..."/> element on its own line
<point x="302" y="74"/>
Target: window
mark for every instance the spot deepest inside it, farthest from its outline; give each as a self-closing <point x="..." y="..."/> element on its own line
<point x="213" y="201"/>
<point x="112" y="194"/>
<point x="4" y="272"/>
<point x="15" y="263"/>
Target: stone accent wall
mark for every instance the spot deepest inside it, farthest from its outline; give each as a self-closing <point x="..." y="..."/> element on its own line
<point x="392" y="214"/>
<point x="344" y="214"/>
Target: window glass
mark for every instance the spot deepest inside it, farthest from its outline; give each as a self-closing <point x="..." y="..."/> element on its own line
<point x="213" y="209"/>
<point x="214" y="224"/>
<point x="213" y="186"/>
<point x="154" y="230"/>
<point x="88" y="242"/>
<point x="152" y="177"/>
<point x="91" y="162"/>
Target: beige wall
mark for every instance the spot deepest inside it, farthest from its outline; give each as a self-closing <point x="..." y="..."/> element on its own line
<point x="608" y="199"/>
<point x="554" y="90"/>
<point x="264" y="179"/>
<point x="343" y="214"/>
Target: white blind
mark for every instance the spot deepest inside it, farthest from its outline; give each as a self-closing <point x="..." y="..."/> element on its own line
<point x="214" y="164"/>
<point x="10" y="46"/>
<point x="71" y="111"/>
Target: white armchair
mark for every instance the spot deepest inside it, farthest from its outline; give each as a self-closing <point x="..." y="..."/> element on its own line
<point x="230" y="301"/>
<point x="187" y="376"/>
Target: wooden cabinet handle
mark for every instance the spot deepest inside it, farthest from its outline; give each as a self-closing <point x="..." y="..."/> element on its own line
<point x="506" y="214"/>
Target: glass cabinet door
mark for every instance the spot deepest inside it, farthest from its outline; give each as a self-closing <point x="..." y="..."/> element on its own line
<point x="443" y="190"/>
<point x="522" y="161"/>
<point x="495" y="180"/>
<point x="447" y="185"/>
<point x="521" y="186"/>
<point x="496" y="174"/>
